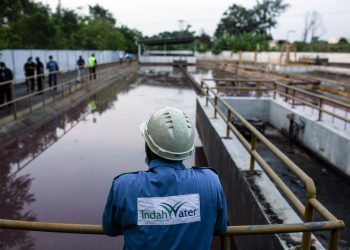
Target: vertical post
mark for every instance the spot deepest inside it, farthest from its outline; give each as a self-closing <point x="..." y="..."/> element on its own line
<point x="30" y="101"/>
<point x="240" y="57"/>
<point x="334" y="240"/>
<point x="13" y="97"/>
<point x="225" y="242"/>
<point x="215" y="106"/>
<point x="255" y="56"/>
<point x="274" y="90"/>
<point x="62" y="88"/>
<point x="293" y="99"/>
<point x="228" y="122"/>
<point x="207" y="96"/>
<point x="253" y="148"/>
<point x="320" y="102"/>
<point x="306" y="240"/>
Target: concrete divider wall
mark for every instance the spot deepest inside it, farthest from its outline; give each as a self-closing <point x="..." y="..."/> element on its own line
<point x="328" y="143"/>
<point x="243" y="209"/>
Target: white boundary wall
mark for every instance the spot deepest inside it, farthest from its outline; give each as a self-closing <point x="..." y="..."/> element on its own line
<point x="273" y="57"/>
<point x="66" y="59"/>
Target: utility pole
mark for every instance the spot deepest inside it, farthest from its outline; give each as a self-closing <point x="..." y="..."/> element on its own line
<point x="289" y="31"/>
<point x="181" y="24"/>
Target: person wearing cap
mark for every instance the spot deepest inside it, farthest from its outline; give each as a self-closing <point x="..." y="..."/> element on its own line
<point x="169" y="206"/>
<point x="29" y="72"/>
<point x="6" y="78"/>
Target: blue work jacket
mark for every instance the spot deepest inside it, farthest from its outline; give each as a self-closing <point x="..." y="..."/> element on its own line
<point x="167" y="207"/>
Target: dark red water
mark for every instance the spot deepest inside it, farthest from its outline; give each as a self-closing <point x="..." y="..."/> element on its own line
<point x="62" y="171"/>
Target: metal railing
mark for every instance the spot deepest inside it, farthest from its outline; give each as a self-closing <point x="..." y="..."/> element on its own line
<point x="231" y="230"/>
<point x="312" y="204"/>
<point x="294" y="95"/>
<point x="27" y="103"/>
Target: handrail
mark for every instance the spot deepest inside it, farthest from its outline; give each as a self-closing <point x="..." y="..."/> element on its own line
<point x="231" y="230"/>
<point x="282" y="85"/>
<point x="322" y="100"/>
<point x="311" y="203"/>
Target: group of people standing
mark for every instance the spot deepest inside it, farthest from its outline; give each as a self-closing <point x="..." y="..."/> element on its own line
<point x="30" y="68"/>
<point x="35" y="75"/>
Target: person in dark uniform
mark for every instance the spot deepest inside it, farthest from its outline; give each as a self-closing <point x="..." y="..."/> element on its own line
<point x="53" y="68"/>
<point x="169" y="206"/>
<point x="39" y="74"/>
<point x="6" y="78"/>
<point x="80" y="71"/>
<point x="29" y="71"/>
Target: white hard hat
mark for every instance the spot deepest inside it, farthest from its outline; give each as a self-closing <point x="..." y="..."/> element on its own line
<point x="169" y="134"/>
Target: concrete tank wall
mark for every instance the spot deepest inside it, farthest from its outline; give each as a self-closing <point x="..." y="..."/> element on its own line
<point x="242" y="206"/>
<point x="273" y="57"/>
<point x="328" y="143"/>
<point x="166" y="59"/>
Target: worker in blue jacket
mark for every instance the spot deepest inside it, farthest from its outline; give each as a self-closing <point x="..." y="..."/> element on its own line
<point x="169" y="206"/>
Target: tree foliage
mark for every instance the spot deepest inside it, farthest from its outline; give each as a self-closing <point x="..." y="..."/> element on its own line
<point x="243" y="42"/>
<point x="25" y="24"/>
<point x="260" y="19"/>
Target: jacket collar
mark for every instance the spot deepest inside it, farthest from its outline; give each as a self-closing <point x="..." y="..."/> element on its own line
<point x="169" y="164"/>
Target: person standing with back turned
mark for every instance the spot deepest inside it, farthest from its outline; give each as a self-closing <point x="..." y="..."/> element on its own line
<point x="29" y="72"/>
<point x="92" y="67"/>
<point x="80" y="70"/>
<point x="6" y="77"/>
<point x="168" y="206"/>
<point x="53" y="68"/>
<point x="39" y="74"/>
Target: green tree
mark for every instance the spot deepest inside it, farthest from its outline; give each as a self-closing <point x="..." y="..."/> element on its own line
<point x="257" y="20"/>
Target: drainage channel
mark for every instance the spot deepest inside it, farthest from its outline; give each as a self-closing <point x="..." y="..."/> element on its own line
<point x="333" y="190"/>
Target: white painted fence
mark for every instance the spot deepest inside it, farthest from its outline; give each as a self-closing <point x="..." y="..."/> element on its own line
<point x="66" y="59"/>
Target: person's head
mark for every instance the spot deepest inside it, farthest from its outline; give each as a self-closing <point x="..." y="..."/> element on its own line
<point x="37" y="59"/>
<point x="30" y="59"/>
<point x="50" y="57"/>
<point x="93" y="54"/>
<point x="169" y="135"/>
<point x="2" y="65"/>
<point x="80" y="57"/>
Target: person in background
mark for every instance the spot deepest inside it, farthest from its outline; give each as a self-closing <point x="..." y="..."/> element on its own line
<point x="6" y="78"/>
<point x="53" y="68"/>
<point x="80" y="71"/>
<point x="39" y="74"/>
<point x="120" y="58"/>
<point x="29" y="72"/>
<point x="169" y="206"/>
<point x="92" y="67"/>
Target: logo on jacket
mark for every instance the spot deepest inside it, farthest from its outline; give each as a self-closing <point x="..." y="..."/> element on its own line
<point x="168" y="210"/>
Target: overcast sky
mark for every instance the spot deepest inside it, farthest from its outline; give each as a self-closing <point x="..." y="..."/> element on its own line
<point x="154" y="16"/>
